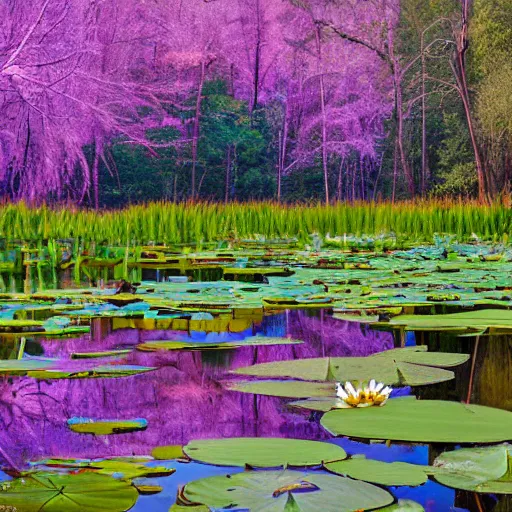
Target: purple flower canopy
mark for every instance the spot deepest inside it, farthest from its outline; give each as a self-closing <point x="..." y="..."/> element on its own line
<point x="76" y="75"/>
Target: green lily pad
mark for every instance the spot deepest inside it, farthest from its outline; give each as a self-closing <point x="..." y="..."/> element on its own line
<point x="284" y="388"/>
<point x="422" y="421"/>
<point x="412" y="366"/>
<point x="382" y="473"/>
<point x="168" y="452"/>
<point x="24" y="366"/>
<point x="126" y="468"/>
<point x="478" y="320"/>
<point x="189" y="508"/>
<point x="49" y="492"/>
<point x="485" y="470"/>
<point x="286" y="491"/>
<point x="403" y="506"/>
<point x="321" y="404"/>
<point x="263" y="452"/>
<point x="94" y="355"/>
<point x="104" y="371"/>
<point x="153" y="346"/>
<point x="106" y="427"/>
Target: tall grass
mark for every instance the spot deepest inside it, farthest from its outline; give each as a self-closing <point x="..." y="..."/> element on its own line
<point x="207" y="222"/>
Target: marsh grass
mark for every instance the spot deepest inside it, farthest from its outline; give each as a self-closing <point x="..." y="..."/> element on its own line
<point x="198" y="223"/>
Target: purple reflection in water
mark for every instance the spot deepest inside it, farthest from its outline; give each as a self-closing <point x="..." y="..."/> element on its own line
<point x="182" y="400"/>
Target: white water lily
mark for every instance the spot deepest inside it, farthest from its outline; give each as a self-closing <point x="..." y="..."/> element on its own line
<point x="364" y="396"/>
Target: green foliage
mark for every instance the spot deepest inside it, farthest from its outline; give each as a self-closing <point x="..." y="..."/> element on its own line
<point x="455" y="173"/>
<point x="491" y="35"/>
<point x="190" y="223"/>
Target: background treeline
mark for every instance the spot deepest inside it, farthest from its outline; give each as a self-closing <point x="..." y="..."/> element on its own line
<point x="241" y="100"/>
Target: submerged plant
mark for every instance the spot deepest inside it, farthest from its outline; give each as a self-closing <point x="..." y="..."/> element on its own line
<point x="363" y="396"/>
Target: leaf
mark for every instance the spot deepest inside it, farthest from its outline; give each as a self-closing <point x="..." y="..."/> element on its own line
<point x="24" y="366"/>
<point x="189" y="508"/>
<point x="94" y="355"/>
<point x="468" y="320"/>
<point x="483" y="470"/>
<point x="50" y="492"/>
<point x="382" y="473"/>
<point x="284" y="388"/>
<point x="286" y="491"/>
<point x="316" y="404"/>
<point x="105" y="427"/>
<point x="168" y="452"/>
<point x="104" y="371"/>
<point x="407" y="366"/>
<point x="403" y="506"/>
<point x="422" y="421"/>
<point x="122" y="467"/>
<point x="153" y="346"/>
<point x="264" y="452"/>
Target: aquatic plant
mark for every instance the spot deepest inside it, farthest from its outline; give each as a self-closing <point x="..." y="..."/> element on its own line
<point x="384" y="224"/>
<point x="363" y="396"/>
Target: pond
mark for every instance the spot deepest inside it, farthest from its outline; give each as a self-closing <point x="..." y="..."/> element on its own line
<point x="190" y="361"/>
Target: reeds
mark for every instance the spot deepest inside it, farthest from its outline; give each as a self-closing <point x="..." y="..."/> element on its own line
<point x="198" y="223"/>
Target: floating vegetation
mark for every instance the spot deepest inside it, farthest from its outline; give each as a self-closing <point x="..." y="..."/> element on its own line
<point x="484" y="470"/>
<point x="286" y="490"/>
<point x="381" y="473"/>
<point x="53" y="492"/>
<point x="412" y="366"/>
<point x="106" y="427"/>
<point x="263" y="452"/>
<point x="254" y="352"/>
<point x="254" y="341"/>
<point x="422" y="421"/>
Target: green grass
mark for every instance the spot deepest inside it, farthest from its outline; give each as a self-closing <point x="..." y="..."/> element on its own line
<point x="207" y="222"/>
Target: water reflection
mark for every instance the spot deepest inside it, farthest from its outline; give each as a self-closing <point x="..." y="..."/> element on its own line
<point x="184" y="398"/>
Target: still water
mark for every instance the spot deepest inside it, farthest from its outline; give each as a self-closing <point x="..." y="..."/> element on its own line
<point x="184" y="398"/>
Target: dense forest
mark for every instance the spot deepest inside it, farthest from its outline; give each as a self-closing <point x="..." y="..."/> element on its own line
<point x="103" y="103"/>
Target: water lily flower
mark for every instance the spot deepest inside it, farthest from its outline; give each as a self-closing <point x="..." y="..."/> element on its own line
<point x="365" y="395"/>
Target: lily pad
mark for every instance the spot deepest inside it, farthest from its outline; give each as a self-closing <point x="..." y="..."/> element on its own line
<point x="485" y="470"/>
<point x="24" y="366"/>
<point x="285" y="491"/>
<point x="422" y="421"/>
<point x="284" y="388"/>
<point x="153" y="346"/>
<point x="263" y="452"/>
<point x="50" y="492"/>
<point x="189" y="508"/>
<point x="382" y="473"/>
<point x="478" y="320"/>
<point x="105" y="427"/>
<point x="412" y="366"/>
<point x="168" y="452"/>
<point x="403" y="506"/>
<point x="94" y="355"/>
<point x="104" y="371"/>
<point x="321" y="404"/>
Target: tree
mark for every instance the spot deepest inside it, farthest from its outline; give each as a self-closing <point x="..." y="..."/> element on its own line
<point x="68" y="78"/>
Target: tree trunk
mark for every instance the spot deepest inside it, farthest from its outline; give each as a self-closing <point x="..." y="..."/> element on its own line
<point x="282" y="153"/>
<point x="399" y="116"/>
<point x="257" y="58"/>
<point x="340" y="177"/>
<point x="461" y="77"/>
<point x="195" y="135"/>
<point x="324" y="116"/>
<point x="395" y="171"/>
<point x="228" y="169"/>
<point x="424" y="155"/>
<point x="96" y="177"/>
